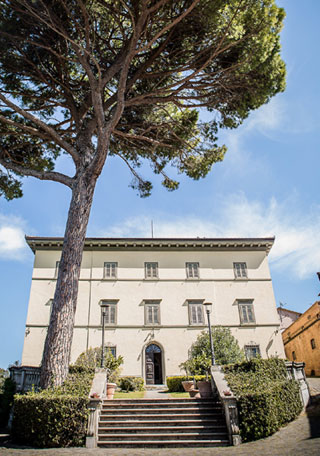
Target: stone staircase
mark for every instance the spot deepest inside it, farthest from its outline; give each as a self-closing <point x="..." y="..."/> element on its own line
<point x="167" y="423"/>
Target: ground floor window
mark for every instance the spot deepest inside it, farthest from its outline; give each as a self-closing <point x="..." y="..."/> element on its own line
<point x="252" y="351"/>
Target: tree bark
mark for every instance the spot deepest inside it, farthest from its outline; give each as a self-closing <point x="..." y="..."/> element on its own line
<point x="57" y="349"/>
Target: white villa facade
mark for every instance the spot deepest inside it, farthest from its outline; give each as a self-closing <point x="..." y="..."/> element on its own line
<point x="152" y="292"/>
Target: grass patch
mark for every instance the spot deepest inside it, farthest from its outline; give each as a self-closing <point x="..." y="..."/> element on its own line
<point x="180" y="395"/>
<point x="129" y="395"/>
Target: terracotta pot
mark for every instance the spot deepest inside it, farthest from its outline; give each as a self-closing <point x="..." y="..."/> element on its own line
<point x="188" y="385"/>
<point x="195" y="394"/>
<point x="204" y="388"/>
<point x="111" y="387"/>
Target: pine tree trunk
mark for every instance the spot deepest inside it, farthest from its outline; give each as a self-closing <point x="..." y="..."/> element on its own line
<point x="57" y="349"/>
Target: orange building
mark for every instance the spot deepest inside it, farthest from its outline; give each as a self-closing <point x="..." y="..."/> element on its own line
<point x="302" y="340"/>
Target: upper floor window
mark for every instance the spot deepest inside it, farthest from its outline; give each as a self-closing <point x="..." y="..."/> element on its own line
<point x="152" y="312"/>
<point x="56" y="269"/>
<point x="246" y="312"/>
<point x="192" y="270"/>
<point x="313" y="344"/>
<point x="110" y="270"/>
<point x="151" y="270"/>
<point x="251" y="351"/>
<point x="240" y="270"/>
<point x="196" y="316"/>
<point x="109" y="311"/>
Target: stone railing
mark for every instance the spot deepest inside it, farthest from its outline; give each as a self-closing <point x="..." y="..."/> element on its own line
<point x="229" y="403"/>
<point x="96" y="396"/>
<point x="296" y="372"/>
<point x="25" y="377"/>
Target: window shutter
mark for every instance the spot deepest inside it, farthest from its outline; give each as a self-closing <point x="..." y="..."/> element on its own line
<point x="112" y="310"/>
<point x="156" y="314"/>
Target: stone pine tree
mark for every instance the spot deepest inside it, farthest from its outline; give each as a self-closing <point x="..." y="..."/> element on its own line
<point x="124" y="78"/>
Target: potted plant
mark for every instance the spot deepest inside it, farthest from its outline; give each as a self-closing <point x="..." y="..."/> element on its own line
<point x="188" y="385"/>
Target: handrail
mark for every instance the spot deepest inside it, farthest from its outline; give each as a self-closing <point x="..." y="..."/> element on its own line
<point x="229" y="403"/>
<point x="97" y="394"/>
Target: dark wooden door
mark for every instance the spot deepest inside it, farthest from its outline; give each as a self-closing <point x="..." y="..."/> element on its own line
<point x="153" y="365"/>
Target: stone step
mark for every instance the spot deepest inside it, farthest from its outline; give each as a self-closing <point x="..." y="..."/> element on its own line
<point x="162" y="401"/>
<point x="168" y="423"/>
<point x="168" y="437"/>
<point x="176" y="416"/>
<point x="163" y="443"/>
<point x="160" y="410"/>
<point x="221" y="428"/>
<point x="184" y="405"/>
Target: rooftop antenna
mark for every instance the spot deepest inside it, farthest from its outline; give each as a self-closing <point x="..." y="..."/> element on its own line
<point x="152" y="228"/>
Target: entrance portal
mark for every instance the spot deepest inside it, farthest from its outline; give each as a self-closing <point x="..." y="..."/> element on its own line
<point x="153" y="365"/>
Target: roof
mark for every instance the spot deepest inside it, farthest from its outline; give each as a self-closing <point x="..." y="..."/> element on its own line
<point x="288" y="310"/>
<point x="55" y="243"/>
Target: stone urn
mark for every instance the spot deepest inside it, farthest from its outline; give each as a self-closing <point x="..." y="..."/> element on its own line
<point x="188" y="385"/>
<point x="111" y="388"/>
<point x="205" y="389"/>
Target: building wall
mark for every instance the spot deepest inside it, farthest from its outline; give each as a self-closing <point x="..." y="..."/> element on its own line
<point x="287" y="317"/>
<point x="175" y="335"/>
<point x="297" y="340"/>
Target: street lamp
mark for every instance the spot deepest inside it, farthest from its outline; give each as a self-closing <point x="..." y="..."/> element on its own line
<point x="102" y="342"/>
<point x="208" y="307"/>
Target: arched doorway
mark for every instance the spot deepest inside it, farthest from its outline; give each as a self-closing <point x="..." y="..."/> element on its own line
<point x="153" y="365"/>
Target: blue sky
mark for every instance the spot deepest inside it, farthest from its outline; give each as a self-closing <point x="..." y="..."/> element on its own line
<point x="267" y="185"/>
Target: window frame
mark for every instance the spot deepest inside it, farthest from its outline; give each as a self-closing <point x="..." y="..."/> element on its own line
<point x="111" y="277"/>
<point x="243" y="270"/>
<point x="246" y="303"/>
<point x="197" y="269"/>
<point x="109" y="303"/>
<point x="251" y="346"/>
<point x="156" y="269"/>
<point x="196" y="302"/>
<point x="153" y="303"/>
<point x="111" y="347"/>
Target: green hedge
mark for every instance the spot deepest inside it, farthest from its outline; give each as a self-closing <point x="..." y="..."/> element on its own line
<point x="131" y="383"/>
<point x="56" y="417"/>
<point x="175" y="383"/>
<point x="266" y="398"/>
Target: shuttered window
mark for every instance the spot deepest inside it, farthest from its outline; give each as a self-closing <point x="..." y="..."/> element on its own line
<point x="152" y="312"/>
<point x="151" y="270"/>
<point x="196" y="316"/>
<point x="246" y="312"/>
<point x="192" y="270"/>
<point x="110" y="309"/>
<point x="110" y="270"/>
<point x="252" y="351"/>
<point x="240" y="270"/>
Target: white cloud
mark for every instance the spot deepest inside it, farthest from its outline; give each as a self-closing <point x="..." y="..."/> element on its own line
<point x="12" y="242"/>
<point x="297" y="245"/>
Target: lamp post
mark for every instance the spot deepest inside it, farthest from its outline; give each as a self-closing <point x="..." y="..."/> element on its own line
<point x="208" y="307"/>
<point x="102" y="342"/>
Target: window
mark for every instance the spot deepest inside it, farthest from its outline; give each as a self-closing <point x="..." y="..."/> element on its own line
<point x="196" y="312"/>
<point x="57" y="269"/>
<point x="112" y="349"/>
<point x="151" y="270"/>
<point x="110" y="270"/>
<point x="252" y="351"/>
<point x="294" y="357"/>
<point x="240" y="270"/>
<point x="246" y="312"/>
<point x="313" y="344"/>
<point x="152" y="312"/>
<point x="192" y="270"/>
<point x="110" y="310"/>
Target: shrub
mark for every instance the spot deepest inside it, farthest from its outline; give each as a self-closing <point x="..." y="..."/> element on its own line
<point x="266" y="399"/>
<point x="175" y="383"/>
<point x="56" y="417"/>
<point x="226" y="350"/>
<point x="131" y="383"/>
<point x="6" y="400"/>
<point x="91" y="358"/>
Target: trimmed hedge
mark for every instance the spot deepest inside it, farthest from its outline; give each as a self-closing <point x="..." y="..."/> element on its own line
<point x="266" y="398"/>
<point x="56" y="417"/>
<point x="130" y="383"/>
<point x="175" y="383"/>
